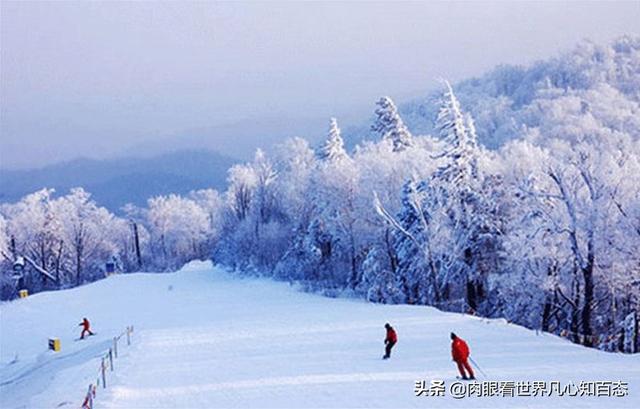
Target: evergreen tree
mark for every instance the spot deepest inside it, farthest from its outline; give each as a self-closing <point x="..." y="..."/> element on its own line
<point x="389" y="125"/>
<point x="468" y="202"/>
<point x="333" y="147"/>
<point x="458" y="133"/>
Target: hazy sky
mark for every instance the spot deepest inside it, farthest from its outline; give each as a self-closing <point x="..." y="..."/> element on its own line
<point x="96" y="78"/>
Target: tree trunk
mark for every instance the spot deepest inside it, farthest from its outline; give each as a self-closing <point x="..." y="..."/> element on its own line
<point x="546" y="312"/>
<point x="471" y="296"/>
<point x="136" y="241"/>
<point x="354" y="269"/>
<point x="78" y="266"/>
<point x="546" y="316"/>
<point x="58" y="262"/>
<point x="575" y="313"/>
<point x="587" y="274"/>
<point x="13" y="247"/>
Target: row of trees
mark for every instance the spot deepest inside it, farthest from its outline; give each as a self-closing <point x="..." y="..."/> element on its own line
<point x="545" y="236"/>
<point x="69" y="240"/>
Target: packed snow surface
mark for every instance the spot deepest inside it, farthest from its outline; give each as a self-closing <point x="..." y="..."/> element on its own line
<point x="206" y="339"/>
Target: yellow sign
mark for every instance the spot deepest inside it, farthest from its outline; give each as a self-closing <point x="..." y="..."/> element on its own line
<point x="54" y="344"/>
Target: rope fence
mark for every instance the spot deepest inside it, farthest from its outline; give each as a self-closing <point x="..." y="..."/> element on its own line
<point x="106" y="365"/>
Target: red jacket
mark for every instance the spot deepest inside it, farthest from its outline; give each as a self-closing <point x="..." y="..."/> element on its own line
<point x="391" y="335"/>
<point x="85" y="324"/>
<point x="459" y="350"/>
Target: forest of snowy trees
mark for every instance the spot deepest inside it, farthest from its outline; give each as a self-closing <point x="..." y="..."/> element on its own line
<point x="542" y="230"/>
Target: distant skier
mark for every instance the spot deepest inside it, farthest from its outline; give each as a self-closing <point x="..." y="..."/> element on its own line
<point x="85" y="328"/>
<point x="390" y="340"/>
<point x="460" y="354"/>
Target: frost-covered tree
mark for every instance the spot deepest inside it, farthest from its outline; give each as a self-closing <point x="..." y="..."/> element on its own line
<point x="242" y="181"/>
<point x="585" y="182"/>
<point x="379" y="280"/>
<point x="179" y="228"/>
<point x="389" y="125"/>
<point x="66" y="241"/>
<point x="295" y="162"/>
<point x="460" y="151"/>
<point x="570" y="232"/>
<point x="212" y="203"/>
<point x="139" y="253"/>
<point x="467" y="196"/>
<point x="416" y="264"/>
<point x="333" y="220"/>
<point x="509" y="100"/>
<point x="265" y="198"/>
<point x="255" y="226"/>
<point x="333" y="147"/>
<point x="35" y="228"/>
<point x="86" y="232"/>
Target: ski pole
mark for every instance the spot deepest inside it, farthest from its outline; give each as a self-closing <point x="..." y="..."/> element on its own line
<point x="478" y="366"/>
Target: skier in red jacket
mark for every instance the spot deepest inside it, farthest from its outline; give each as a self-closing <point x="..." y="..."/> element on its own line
<point x="460" y="354"/>
<point x="389" y="341"/>
<point x="85" y="328"/>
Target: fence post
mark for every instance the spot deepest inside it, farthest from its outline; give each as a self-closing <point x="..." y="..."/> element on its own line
<point x="104" y="377"/>
<point x="88" y="402"/>
<point x="90" y="396"/>
<point x="88" y="399"/>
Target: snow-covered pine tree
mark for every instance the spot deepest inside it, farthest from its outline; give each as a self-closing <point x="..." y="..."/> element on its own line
<point x="390" y="126"/>
<point x="471" y="227"/>
<point x="458" y="133"/>
<point x="333" y="147"/>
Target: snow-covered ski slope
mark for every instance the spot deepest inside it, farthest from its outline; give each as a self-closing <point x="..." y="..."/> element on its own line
<point x="205" y="339"/>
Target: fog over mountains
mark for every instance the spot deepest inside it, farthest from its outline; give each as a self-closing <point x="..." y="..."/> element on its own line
<point x="116" y="182"/>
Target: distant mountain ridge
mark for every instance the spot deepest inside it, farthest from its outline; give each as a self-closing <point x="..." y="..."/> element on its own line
<point x="116" y="182"/>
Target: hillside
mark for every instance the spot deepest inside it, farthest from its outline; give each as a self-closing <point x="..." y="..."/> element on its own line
<point x="206" y="339"/>
<point x="116" y="182"/>
<point x="591" y="86"/>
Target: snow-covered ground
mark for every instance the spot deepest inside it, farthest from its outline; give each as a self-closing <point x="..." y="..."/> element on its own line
<point x="206" y="339"/>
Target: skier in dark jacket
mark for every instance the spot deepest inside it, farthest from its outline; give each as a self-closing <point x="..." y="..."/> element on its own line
<point x="85" y="328"/>
<point x="389" y="341"/>
<point x="460" y="354"/>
